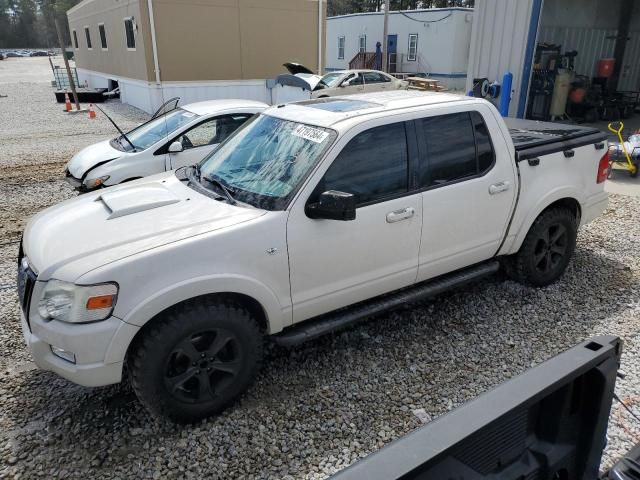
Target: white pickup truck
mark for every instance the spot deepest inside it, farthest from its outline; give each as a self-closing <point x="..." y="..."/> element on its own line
<point x="312" y="216"/>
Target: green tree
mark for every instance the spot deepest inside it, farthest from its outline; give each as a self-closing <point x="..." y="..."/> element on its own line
<point x="31" y="23"/>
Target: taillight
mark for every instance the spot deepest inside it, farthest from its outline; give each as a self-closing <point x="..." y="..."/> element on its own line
<point x="603" y="168"/>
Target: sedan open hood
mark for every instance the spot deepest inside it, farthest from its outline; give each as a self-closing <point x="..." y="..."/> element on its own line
<point x="300" y="74"/>
<point x="295" y="68"/>
<point x="91" y="156"/>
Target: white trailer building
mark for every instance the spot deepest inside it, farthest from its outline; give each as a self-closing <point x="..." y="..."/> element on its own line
<point x="431" y="41"/>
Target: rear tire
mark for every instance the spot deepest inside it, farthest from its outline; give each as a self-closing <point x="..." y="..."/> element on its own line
<point x="196" y="360"/>
<point x="546" y="250"/>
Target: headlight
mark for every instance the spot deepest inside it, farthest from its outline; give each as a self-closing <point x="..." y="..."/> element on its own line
<point x="69" y="302"/>
<point x="95" y="182"/>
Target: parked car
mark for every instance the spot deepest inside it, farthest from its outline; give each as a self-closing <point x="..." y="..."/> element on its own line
<point x="313" y="216"/>
<point x="345" y="82"/>
<point x="182" y="136"/>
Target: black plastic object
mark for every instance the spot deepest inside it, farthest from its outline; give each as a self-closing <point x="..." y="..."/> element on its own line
<point x="333" y="205"/>
<point x="166" y="107"/>
<point x="295" y="68"/>
<point x="85" y="95"/>
<point x="547" y="424"/>
<point x="348" y="316"/>
<point x="480" y="87"/>
<point x="535" y="139"/>
<point x="628" y="468"/>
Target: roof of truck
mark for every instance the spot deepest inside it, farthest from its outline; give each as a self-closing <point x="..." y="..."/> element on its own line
<point x="326" y="112"/>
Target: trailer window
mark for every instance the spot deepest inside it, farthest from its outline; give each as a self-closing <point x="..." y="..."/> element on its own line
<point x="75" y="39"/>
<point x="413" y="47"/>
<point x="128" y="30"/>
<point x="362" y="43"/>
<point x="340" y="48"/>
<point x="103" y="36"/>
<point x="87" y="35"/>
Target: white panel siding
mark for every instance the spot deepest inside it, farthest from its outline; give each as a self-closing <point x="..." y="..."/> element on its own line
<point x="195" y="92"/>
<point x="148" y="96"/>
<point x="499" y="41"/>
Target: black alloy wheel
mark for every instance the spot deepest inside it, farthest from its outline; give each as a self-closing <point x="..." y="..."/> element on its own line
<point x="196" y="359"/>
<point x="550" y="249"/>
<point x="202" y="366"/>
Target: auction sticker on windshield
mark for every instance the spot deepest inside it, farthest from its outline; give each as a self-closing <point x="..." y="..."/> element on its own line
<point x="310" y="133"/>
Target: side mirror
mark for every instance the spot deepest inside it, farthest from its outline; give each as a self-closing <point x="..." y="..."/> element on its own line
<point x="333" y="205"/>
<point x="176" y="147"/>
<point x="346" y="83"/>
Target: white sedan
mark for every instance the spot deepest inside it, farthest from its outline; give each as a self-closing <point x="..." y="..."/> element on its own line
<point x="180" y="137"/>
<point x="345" y="82"/>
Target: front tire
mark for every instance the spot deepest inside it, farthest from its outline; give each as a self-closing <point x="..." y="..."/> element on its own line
<point x="196" y="360"/>
<point x="546" y="250"/>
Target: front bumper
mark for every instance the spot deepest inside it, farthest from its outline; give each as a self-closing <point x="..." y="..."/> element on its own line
<point x="73" y="181"/>
<point x="78" y="185"/>
<point x="99" y="348"/>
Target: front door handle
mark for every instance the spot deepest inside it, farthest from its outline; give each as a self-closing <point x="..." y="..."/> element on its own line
<point x="499" y="187"/>
<point x="401" y="214"/>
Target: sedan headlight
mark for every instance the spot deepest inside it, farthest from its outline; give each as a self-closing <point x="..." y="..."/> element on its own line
<point x="69" y="302"/>
<point x="95" y="182"/>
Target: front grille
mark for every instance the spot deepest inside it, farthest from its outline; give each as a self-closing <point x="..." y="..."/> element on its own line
<point x="26" y="281"/>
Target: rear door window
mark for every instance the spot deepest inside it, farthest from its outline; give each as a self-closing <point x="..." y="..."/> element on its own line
<point x="373" y="77"/>
<point x="454" y="147"/>
<point x="358" y="80"/>
<point x="486" y="154"/>
<point x="372" y="166"/>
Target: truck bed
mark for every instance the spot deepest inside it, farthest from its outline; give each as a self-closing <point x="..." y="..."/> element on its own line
<point x="533" y="139"/>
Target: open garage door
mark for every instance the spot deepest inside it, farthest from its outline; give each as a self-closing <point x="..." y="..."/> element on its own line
<point x="586" y="63"/>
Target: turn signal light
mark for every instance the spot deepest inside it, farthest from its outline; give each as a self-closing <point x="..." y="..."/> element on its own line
<point x="101" y="301"/>
<point x="603" y="168"/>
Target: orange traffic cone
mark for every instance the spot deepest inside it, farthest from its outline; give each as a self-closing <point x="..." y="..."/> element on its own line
<point x="92" y="112"/>
<point x="67" y="102"/>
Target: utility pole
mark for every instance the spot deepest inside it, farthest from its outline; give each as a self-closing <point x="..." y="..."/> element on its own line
<point x="66" y="62"/>
<point x="385" y="65"/>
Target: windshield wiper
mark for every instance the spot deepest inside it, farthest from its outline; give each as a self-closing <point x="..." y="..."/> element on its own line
<point x="216" y="181"/>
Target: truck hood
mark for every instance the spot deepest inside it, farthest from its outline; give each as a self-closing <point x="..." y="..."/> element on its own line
<point x="91" y="156"/>
<point x="84" y="233"/>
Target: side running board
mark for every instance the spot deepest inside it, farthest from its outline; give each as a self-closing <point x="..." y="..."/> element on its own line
<point x="345" y="317"/>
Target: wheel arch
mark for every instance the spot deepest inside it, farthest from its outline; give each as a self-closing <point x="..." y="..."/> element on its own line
<point x="563" y="199"/>
<point x="260" y="301"/>
<point x="251" y="304"/>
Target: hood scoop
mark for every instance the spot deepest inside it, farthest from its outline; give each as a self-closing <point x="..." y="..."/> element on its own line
<point x="135" y="199"/>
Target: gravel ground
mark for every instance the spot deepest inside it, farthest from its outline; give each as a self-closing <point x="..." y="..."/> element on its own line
<point x="317" y="408"/>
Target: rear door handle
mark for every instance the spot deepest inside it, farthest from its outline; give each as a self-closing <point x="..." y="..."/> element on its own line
<point x="499" y="187"/>
<point x="401" y="214"/>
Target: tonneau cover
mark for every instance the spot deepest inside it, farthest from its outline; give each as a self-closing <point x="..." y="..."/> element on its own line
<point x="533" y="139"/>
